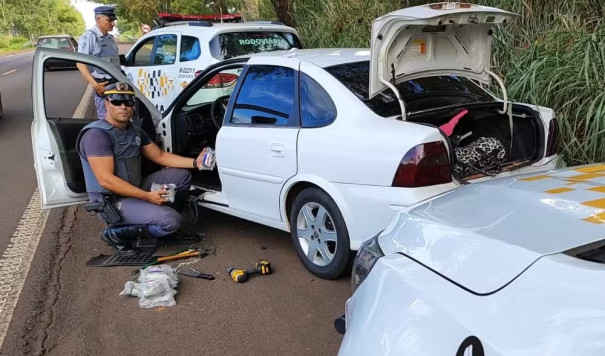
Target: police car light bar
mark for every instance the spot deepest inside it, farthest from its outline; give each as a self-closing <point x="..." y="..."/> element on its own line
<point x="167" y="17"/>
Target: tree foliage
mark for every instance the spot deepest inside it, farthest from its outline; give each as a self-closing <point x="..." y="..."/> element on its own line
<point x="33" y="18"/>
<point x="136" y="12"/>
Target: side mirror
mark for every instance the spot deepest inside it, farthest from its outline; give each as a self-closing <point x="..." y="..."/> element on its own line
<point x="122" y="59"/>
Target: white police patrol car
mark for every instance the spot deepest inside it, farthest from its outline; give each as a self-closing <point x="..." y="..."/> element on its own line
<point x="511" y="266"/>
<point x="163" y="61"/>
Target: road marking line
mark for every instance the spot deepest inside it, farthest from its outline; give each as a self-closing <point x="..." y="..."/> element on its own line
<point x="83" y="105"/>
<point x="10" y="71"/>
<point x="16" y="259"/>
<point x="16" y="54"/>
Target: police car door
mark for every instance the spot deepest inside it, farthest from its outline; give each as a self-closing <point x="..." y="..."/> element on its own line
<point x="62" y="106"/>
<point x="151" y="68"/>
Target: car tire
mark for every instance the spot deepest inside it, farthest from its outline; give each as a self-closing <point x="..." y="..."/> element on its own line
<point x="316" y="217"/>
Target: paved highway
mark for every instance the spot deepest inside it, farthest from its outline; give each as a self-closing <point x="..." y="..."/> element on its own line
<point x="66" y="308"/>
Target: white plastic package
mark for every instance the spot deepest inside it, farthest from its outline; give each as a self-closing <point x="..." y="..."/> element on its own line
<point x="208" y="159"/>
<point x="155" y="287"/>
<point x="168" y="189"/>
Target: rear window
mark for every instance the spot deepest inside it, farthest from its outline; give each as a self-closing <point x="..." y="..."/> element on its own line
<point x="233" y="44"/>
<point x="57" y="43"/>
<point x="418" y="94"/>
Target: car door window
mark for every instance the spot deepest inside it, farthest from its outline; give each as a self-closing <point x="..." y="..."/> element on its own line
<point x="165" y="50"/>
<point x="142" y="56"/>
<point x="266" y="97"/>
<point x="190" y="48"/>
<point x="220" y="85"/>
<point x="316" y="107"/>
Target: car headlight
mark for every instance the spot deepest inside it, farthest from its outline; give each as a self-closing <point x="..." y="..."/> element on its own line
<point x="368" y="254"/>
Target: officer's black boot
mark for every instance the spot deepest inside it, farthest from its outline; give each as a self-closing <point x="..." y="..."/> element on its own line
<point x="121" y="237"/>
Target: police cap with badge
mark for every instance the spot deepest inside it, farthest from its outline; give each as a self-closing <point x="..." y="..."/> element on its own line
<point x="107" y="11"/>
<point x="121" y="92"/>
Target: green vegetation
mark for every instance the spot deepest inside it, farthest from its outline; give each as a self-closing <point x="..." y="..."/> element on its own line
<point x="22" y="21"/>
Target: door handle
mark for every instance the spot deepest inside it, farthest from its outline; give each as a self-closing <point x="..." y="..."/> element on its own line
<point x="277" y="148"/>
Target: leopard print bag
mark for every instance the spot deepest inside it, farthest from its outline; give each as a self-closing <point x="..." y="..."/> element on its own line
<point x="485" y="153"/>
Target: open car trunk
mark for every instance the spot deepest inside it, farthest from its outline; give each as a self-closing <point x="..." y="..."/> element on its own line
<point x="482" y="142"/>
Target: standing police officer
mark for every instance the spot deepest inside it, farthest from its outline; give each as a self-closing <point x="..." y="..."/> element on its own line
<point x="110" y="151"/>
<point x="98" y="42"/>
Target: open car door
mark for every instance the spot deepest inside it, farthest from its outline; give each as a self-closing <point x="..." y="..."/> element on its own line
<point x="63" y="104"/>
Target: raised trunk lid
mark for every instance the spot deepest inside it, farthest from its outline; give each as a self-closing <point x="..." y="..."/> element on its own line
<point x="430" y="40"/>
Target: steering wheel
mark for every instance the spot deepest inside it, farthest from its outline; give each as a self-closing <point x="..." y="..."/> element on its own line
<point x="218" y="110"/>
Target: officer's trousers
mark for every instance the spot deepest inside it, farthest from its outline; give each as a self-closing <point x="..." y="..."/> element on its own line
<point x="160" y="219"/>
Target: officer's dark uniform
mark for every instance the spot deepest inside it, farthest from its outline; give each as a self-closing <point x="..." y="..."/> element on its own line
<point x="93" y="42"/>
<point x="137" y="216"/>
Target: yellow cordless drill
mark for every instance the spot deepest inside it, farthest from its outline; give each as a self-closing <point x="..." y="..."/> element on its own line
<point x="262" y="267"/>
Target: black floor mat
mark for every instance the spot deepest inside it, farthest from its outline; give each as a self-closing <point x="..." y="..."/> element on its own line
<point x="142" y="258"/>
<point x="146" y="242"/>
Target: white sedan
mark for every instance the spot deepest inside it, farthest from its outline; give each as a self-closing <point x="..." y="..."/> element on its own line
<point x="511" y="266"/>
<point x="328" y="144"/>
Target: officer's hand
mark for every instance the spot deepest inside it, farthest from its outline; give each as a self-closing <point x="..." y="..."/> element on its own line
<point x="157" y="197"/>
<point x="100" y="87"/>
<point x="200" y="158"/>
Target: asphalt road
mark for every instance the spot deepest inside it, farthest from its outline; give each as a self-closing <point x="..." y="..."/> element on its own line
<point x="66" y="308"/>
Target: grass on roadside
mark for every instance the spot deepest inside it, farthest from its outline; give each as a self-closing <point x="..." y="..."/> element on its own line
<point x="8" y="44"/>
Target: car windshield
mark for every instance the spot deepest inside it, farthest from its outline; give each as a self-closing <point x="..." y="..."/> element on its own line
<point x="233" y="44"/>
<point x="54" y="42"/>
<point x="418" y="94"/>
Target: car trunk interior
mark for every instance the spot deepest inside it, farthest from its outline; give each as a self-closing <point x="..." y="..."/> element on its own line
<point x="482" y="121"/>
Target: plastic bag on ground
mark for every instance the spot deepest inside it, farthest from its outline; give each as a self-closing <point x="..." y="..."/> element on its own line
<point x="155" y="287"/>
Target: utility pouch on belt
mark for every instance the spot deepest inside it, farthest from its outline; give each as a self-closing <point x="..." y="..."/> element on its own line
<point x="105" y="208"/>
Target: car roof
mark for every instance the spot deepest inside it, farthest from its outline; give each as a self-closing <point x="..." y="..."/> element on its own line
<point x="321" y="57"/>
<point x="55" y="36"/>
<point x="222" y="27"/>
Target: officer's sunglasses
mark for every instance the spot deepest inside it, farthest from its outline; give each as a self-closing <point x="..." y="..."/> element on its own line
<point x="128" y="103"/>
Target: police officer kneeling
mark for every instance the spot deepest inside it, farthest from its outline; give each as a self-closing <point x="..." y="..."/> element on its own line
<point x="110" y="151"/>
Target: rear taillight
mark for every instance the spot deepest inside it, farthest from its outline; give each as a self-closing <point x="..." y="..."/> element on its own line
<point x="424" y="165"/>
<point x="221" y="80"/>
<point x="553" y="134"/>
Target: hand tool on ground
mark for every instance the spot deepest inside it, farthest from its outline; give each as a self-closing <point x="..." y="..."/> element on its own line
<point x="197" y="274"/>
<point x="191" y="252"/>
<point x="262" y="267"/>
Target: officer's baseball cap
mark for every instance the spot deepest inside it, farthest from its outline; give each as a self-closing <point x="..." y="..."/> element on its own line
<point x="119" y="91"/>
<point x="107" y="11"/>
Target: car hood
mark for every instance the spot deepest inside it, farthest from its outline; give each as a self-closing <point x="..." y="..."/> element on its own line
<point x="482" y="236"/>
<point x="431" y="40"/>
